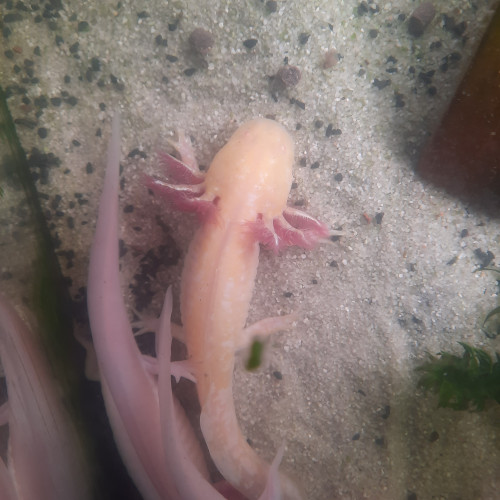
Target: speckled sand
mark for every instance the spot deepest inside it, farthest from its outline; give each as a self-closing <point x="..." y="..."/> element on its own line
<point x="340" y="388"/>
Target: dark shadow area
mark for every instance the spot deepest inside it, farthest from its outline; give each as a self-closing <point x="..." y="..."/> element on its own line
<point x="463" y="154"/>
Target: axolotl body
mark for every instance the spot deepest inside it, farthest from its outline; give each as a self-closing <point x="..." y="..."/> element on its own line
<point x="241" y="201"/>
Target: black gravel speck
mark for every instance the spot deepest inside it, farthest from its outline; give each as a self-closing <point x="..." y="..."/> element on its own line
<point x="89" y="168"/>
<point x="41" y="101"/>
<point x="55" y="101"/>
<point x="303" y="38"/>
<point x="434" y="436"/>
<point x="137" y="152"/>
<point x="399" y="101"/>
<point x="426" y="77"/>
<point x="73" y="49"/>
<point x="271" y="6"/>
<point x="142" y="15"/>
<point x="455" y="28"/>
<point x="250" y="43"/>
<point x="83" y="26"/>
<point x="56" y="201"/>
<point x="338" y="177"/>
<point x="315" y="165"/>
<point x="95" y="64"/>
<point x="162" y="42"/>
<point x="356" y="436"/>
<point x="189" y="71"/>
<point x="278" y="375"/>
<point x="173" y="26"/>
<point x="485" y="258"/>
<point x="373" y="33"/>
<point x="72" y="100"/>
<point x="330" y="131"/>
<point x="42" y="132"/>
<point x="299" y="104"/>
<point x="171" y="58"/>
<point x="381" y="84"/>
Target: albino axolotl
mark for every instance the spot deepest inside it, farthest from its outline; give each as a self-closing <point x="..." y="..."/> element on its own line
<point x="241" y="202"/>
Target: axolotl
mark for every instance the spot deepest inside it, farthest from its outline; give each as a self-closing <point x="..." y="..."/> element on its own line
<point x="241" y="202"/>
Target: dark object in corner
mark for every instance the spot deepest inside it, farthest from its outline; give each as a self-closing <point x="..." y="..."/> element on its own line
<point x="463" y="154"/>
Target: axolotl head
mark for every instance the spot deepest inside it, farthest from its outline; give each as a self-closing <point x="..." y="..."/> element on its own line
<point x="252" y="174"/>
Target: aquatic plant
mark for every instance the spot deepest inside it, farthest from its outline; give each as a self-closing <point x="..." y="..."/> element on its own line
<point x="466" y="382"/>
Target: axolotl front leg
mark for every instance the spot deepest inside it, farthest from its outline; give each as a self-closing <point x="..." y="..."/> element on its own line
<point x="241" y="201"/>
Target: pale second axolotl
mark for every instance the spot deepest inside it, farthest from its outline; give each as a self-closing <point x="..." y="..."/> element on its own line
<point x="45" y="459"/>
<point x="241" y="202"/>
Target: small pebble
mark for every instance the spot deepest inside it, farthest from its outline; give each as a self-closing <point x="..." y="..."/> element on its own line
<point x="421" y="18"/>
<point x="330" y="59"/>
<point x="288" y="76"/>
<point x="201" y="41"/>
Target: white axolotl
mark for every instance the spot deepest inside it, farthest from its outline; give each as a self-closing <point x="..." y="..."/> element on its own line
<point x="241" y="201"/>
